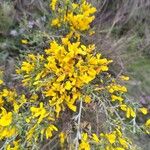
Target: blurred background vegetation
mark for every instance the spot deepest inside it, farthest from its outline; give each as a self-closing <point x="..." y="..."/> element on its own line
<point x="122" y="34"/>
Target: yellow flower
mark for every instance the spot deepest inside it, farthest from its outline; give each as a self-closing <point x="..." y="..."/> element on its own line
<point x="38" y="76"/>
<point x="130" y="112"/>
<point x="25" y="81"/>
<point x="68" y="85"/>
<point x="16" y="107"/>
<point x="119" y="132"/>
<point x="124" y="78"/>
<point x="81" y="21"/>
<point x="123" y="142"/>
<point x="72" y="107"/>
<point x="27" y="67"/>
<point x="65" y="41"/>
<point x="53" y="4"/>
<point x="5" y="118"/>
<point x="49" y="131"/>
<point x="39" y="112"/>
<point x="84" y="136"/>
<point x="148" y="123"/>
<point x="32" y="57"/>
<point x="117" y="87"/>
<point x="123" y="89"/>
<point x="144" y="110"/>
<point x="62" y="137"/>
<point x="61" y="78"/>
<point x="92" y="72"/>
<point x="24" y="41"/>
<point x="7" y="132"/>
<point x="86" y="7"/>
<point x="30" y="133"/>
<point x="1" y="82"/>
<point x="56" y="22"/>
<point x="87" y="99"/>
<point x="5" y="93"/>
<point x="111" y="137"/>
<point x="104" y="68"/>
<point x="114" y="98"/>
<point x="74" y="5"/>
<point x="86" y="78"/>
<point x="84" y="145"/>
<point x="34" y="97"/>
<point x="15" y="146"/>
<point x="95" y="138"/>
<point x="28" y="120"/>
<point x="57" y="110"/>
<point x="123" y="107"/>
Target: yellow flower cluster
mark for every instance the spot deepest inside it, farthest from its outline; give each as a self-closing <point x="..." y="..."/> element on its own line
<point x="114" y="140"/>
<point x="116" y="91"/>
<point x="5" y="122"/>
<point x="15" y="146"/>
<point x="77" y="16"/>
<point x="129" y="110"/>
<point x="9" y="100"/>
<point x="39" y="112"/>
<point x="53" y="4"/>
<point x="84" y="145"/>
<point x="82" y="20"/>
<point x="73" y="66"/>
<point x="66" y="69"/>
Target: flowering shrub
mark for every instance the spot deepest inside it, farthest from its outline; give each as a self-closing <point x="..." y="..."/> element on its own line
<point x="66" y="93"/>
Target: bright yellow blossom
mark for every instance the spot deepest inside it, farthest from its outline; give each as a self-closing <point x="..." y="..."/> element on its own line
<point x="87" y="99"/>
<point x="123" y="142"/>
<point x="49" y="131"/>
<point x="7" y="132"/>
<point x="95" y="138"/>
<point x="144" y="110"/>
<point x="5" y="93"/>
<point x="27" y="67"/>
<point x="114" y="98"/>
<point x="24" y="41"/>
<point x="5" y="118"/>
<point x="30" y="133"/>
<point x="16" y="146"/>
<point x="55" y="22"/>
<point x="39" y="112"/>
<point x="117" y="87"/>
<point x="111" y="137"/>
<point x="130" y="112"/>
<point x="124" y="78"/>
<point x="84" y="145"/>
<point x="1" y="82"/>
<point x="68" y="85"/>
<point x="148" y="123"/>
<point x="53" y="4"/>
<point x="62" y="137"/>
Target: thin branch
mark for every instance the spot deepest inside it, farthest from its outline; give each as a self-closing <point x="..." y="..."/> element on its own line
<point x="78" y="126"/>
